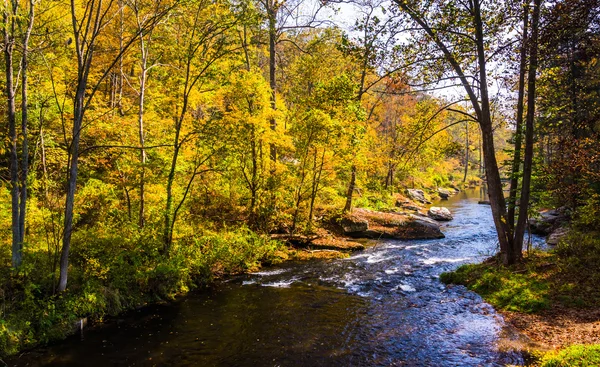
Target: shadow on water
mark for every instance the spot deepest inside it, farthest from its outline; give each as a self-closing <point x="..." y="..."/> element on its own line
<point x="384" y="306"/>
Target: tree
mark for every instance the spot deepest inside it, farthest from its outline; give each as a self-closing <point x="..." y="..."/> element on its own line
<point x="89" y="21"/>
<point x="18" y="24"/>
<point x="457" y="34"/>
<point x="203" y="39"/>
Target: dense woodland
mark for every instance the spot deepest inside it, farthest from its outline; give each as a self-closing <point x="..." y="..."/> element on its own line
<point x="151" y="146"/>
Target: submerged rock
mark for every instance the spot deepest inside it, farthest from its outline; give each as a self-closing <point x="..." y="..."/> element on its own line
<point x="439" y="213"/>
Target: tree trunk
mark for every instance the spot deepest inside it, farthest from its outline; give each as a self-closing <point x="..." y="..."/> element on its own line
<point x="71" y="185"/>
<point x="529" y="126"/>
<point x="12" y="136"/>
<point x="466" y="151"/>
<point x="143" y="76"/>
<point x="272" y="15"/>
<point x="497" y="202"/>
<point x="24" y="123"/>
<point x="348" y="206"/>
<point x="514" y="180"/>
<point x="168" y="230"/>
<point x="315" y="186"/>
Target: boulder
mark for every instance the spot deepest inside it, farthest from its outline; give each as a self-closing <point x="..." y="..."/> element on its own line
<point x="352" y="224"/>
<point x="555" y="237"/>
<point x="548" y="221"/>
<point x="417" y="195"/>
<point x="484" y="202"/>
<point x="412" y="207"/>
<point x="438" y="213"/>
<point x="390" y="225"/>
<point x="420" y="227"/>
<point x="443" y="193"/>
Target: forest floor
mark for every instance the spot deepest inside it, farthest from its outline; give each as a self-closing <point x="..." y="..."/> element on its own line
<point x="559" y="326"/>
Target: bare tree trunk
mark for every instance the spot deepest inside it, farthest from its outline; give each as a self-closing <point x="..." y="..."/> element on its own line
<point x="514" y="180"/>
<point x="529" y="126"/>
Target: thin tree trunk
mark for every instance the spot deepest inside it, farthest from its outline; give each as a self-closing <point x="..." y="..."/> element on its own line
<point x="315" y="187"/>
<point x="514" y="180"/>
<point x="351" y="186"/>
<point x="168" y="231"/>
<point x="143" y="76"/>
<point x="9" y="31"/>
<point x="497" y="201"/>
<point x="85" y="53"/>
<point x="120" y="76"/>
<point x="24" y="123"/>
<point x="466" y="151"/>
<point x="253" y="178"/>
<point x="529" y="126"/>
<point x="71" y="186"/>
<point x="272" y="15"/>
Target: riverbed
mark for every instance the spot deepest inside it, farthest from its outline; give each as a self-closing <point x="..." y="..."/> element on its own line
<point x="383" y="306"/>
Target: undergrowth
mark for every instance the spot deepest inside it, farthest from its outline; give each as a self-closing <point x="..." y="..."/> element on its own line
<point x="112" y="272"/>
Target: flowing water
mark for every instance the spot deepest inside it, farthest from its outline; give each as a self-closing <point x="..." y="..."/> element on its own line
<point x="383" y="306"/>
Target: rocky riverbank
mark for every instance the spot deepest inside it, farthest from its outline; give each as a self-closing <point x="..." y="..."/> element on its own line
<point x="409" y="219"/>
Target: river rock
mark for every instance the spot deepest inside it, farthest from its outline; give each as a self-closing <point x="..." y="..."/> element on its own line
<point x="390" y="225"/>
<point x="439" y="213"/>
<point x="352" y="224"/>
<point x="548" y="221"/>
<point x="555" y="237"/>
<point x="417" y="195"/>
<point x="443" y="193"/>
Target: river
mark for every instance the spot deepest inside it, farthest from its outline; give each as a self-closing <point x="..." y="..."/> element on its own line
<point x="383" y="306"/>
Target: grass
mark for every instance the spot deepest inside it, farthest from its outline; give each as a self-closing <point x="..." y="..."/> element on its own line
<point x="521" y="288"/>
<point x="573" y="356"/>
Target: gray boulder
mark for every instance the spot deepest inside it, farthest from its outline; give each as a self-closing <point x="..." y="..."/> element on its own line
<point x="443" y="193"/>
<point x="548" y="221"/>
<point x="555" y="237"/>
<point x="440" y="214"/>
<point x="417" y="195"/>
<point x="354" y="225"/>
